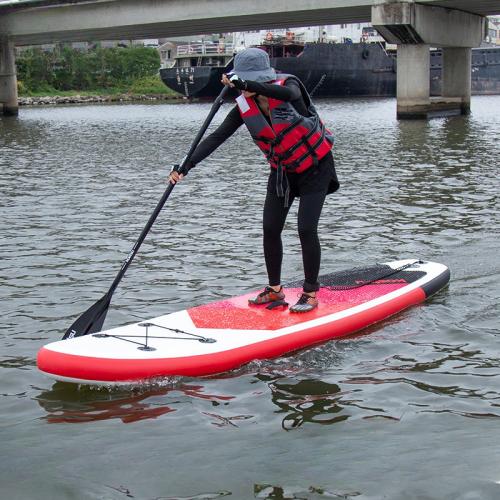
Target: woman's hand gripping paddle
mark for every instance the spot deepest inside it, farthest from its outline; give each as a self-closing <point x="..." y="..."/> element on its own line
<point x="92" y="319"/>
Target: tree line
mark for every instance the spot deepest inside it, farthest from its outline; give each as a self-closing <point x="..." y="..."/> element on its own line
<point x="65" y="68"/>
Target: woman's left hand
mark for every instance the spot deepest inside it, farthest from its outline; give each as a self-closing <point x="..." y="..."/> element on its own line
<point x="225" y="81"/>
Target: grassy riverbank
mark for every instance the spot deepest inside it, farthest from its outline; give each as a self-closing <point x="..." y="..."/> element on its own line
<point x="100" y="73"/>
<point x="149" y="86"/>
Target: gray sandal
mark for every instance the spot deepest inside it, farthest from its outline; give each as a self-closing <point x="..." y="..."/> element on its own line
<point x="305" y="303"/>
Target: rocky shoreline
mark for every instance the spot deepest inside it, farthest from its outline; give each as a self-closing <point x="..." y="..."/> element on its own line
<point x="84" y="99"/>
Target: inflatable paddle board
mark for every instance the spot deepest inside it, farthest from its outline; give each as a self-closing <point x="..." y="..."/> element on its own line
<point x="220" y="336"/>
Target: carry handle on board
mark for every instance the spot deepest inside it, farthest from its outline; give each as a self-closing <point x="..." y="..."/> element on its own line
<point x="92" y="319"/>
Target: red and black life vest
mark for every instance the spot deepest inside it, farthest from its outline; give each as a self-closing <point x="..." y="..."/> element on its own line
<point x="290" y="141"/>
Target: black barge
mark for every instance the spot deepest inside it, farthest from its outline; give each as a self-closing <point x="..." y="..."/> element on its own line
<point x="327" y="69"/>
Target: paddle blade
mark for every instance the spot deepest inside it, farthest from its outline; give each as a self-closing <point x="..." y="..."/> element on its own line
<point x="91" y="320"/>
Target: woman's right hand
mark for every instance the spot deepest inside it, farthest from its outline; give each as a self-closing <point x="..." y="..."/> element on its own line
<point x="175" y="177"/>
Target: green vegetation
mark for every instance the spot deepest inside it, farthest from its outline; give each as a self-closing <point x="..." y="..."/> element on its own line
<point x="149" y="85"/>
<point x="67" y="72"/>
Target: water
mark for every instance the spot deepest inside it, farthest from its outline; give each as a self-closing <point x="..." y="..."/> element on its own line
<point x="409" y="409"/>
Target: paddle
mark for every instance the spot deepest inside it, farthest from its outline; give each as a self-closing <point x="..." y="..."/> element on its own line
<point x="92" y="319"/>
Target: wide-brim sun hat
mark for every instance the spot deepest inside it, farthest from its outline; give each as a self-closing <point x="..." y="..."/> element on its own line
<point x="253" y="64"/>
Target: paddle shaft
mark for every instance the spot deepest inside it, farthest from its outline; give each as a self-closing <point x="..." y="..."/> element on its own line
<point x="126" y="263"/>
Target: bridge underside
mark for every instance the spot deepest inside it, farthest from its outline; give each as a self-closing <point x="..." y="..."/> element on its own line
<point x="47" y="21"/>
<point x="128" y="19"/>
<point x="172" y="29"/>
<point x="481" y="7"/>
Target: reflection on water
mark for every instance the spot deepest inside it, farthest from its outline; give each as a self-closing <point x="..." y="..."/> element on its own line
<point x="452" y="368"/>
<point x="393" y="410"/>
<point x="311" y="401"/>
<point x="69" y="403"/>
<point x="269" y="492"/>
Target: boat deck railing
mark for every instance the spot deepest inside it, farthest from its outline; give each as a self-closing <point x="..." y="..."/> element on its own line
<point x="289" y="38"/>
<point x="202" y="49"/>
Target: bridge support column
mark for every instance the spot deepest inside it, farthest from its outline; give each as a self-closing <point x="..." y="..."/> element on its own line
<point x="413" y="83"/>
<point x="456" y="78"/>
<point x="416" y="27"/>
<point x="8" y="80"/>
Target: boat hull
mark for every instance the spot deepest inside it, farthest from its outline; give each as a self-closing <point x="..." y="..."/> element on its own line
<point x="194" y="81"/>
<point x="340" y="70"/>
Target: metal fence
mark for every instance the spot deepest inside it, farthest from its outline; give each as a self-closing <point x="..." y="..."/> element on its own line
<point x="202" y="49"/>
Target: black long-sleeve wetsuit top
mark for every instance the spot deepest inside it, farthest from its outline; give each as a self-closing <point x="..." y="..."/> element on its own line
<point x="289" y="92"/>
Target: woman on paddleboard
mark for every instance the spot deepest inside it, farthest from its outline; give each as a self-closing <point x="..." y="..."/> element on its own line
<point x="284" y="124"/>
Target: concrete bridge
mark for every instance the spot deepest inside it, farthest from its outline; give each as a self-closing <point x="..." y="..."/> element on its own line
<point x="455" y="25"/>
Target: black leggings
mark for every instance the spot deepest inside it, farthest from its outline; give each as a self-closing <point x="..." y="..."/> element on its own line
<point x="274" y="220"/>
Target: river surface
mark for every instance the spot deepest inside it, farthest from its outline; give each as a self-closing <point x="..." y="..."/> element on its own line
<point x="410" y="409"/>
